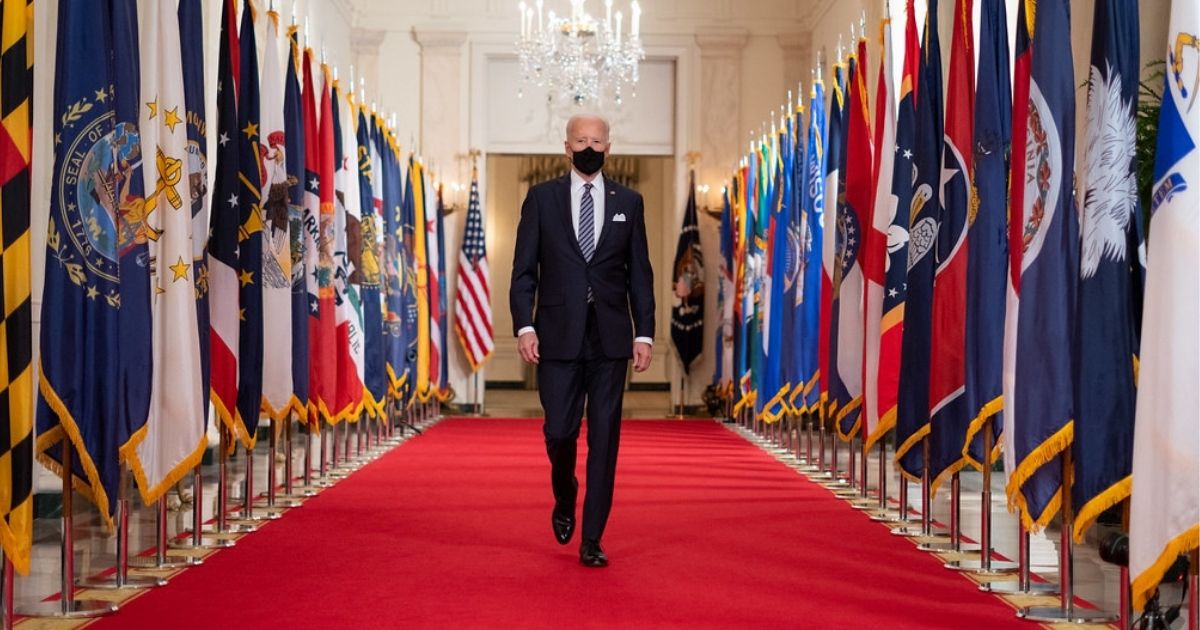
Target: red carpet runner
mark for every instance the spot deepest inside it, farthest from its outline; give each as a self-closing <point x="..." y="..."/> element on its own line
<point x="452" y="530"/>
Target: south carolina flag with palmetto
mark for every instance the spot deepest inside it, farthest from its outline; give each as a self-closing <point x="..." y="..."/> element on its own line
<point x="1166" y="453"/>
<point x="173" y="440"/>
<point x="1044" y="247"/>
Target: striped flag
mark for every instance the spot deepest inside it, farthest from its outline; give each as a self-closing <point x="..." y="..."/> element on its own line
<point x="347" y="249"/>
<point x="16" y="329"/>
<point x="173" y="440"/>
<point x="1044" y="245"/>
<point x="988" y="247"/>
<point x="294" y="151"/>
<point x="374" y="366"/>
<point x="223" y="234"/>
<point x="1112" y="271"/>
<point x="1165" y="506"/>
<point x="278" y="387"/>
<point x="948" y="413"/>
<point x="912" y="407"/>
<point x="473" y="304"/>
<point x="874" y="252"/>
<point x="95" y="340"/>
<point x="250" y="234"/>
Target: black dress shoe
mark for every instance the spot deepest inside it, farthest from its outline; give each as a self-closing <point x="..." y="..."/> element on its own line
<point x="591" y="555"/>
<point x="563" y="524"/>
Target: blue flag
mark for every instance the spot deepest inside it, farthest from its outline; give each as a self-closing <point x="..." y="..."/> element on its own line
<point x="250" y="338"/>
<point x="293" y="122"/>
<point x="408" y="261"/>
<point x="812" y="224"/>
<point x="793" y="299"/>
<point x="987" y="237"/>
<point x="191" y="46"/>
<point x="393" y="201"/>
<point x="1046" y="224"/>
<point x="912" y="407"/>
<point x="375" y="368"/>
<point x="774" y="388"/>
<point x="687" y="313"/>
<point x="1112" y="273"/>
<point x="95" y="341"/>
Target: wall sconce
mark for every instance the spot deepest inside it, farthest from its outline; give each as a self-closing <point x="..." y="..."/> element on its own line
<point x="454" y="197"/>
<point x="705" y="202"/>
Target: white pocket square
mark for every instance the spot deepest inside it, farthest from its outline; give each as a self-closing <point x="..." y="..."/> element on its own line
<point x="619" y="218"/>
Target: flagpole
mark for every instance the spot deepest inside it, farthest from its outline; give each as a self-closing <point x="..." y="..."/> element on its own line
<point x="1023" y="585"/>
<point x="160" y="560"/>
<point x="985" y="564"/>
<point x="197" y="539"/>
<point x="67" y="606"/>
<point x="289" y="498"/>
<point x="223" y="524"/>
<point x="121" y="578"/>
<point x="6" y="592"/>
<point x="1066" y="612"/>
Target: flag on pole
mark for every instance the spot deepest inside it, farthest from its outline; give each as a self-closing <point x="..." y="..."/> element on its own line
<point x="419" y="342"/>
<point x="1044" y="236"/>
<point x="395" y="201"/>
<point x="294" y="153"/>
<point x="912" y="408"/>
<point x="875" y="250"/>
<point x="325" y="357"/>
<point x="793" y="298"/>
<point x="223" y="234"/>
<point x="812" y="225"/>
<point x="835" y="142"/>
<point x="687" y="313"/>
<point x="433" y="206"/>
<point x="473" y="304"/>
<point x="173" y="439"/>
<point x="948" y="413"/>
<point x="1111" y="272"/>
<point x="191" y="46"/>
<point x="987" y="237"/>
<point x="846" y="318"/>
<point x="95" y="339"/>
<point x="443" y="392"/>
<point x="744" y="309"/>
<point x="278" y="391"/>
<point x="1165" y="506"/>
<point x="347" y="247"/>
<point x="16" y="318"/>
<point x="723" y="374"/>
<point x="321" y="385"/>
<point x="374" y="367"/>
<point x="779" y="276"/>
<point x="250" y="235"/>
<point x="892" y="210"/>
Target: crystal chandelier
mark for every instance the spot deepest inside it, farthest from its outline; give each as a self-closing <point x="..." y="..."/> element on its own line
<point x="578" y="58"/>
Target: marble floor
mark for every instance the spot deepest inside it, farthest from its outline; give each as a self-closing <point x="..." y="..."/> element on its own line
<point x="94" y="550"/>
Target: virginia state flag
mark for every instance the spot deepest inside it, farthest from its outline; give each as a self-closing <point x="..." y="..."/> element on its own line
<point x="948" y="414"/>
<point x="1165" y="506"/>
<point x="1111" y="271"/>
<point x="912" y="417"/>
<point x="278" y="391"/>
<point x="173" y="439"/>
<point x="95" y="338"/>
<point x="294" y="151"/>
<point x="223" y="300"/>
<point x="1044" y="244"/>
<point x="987" y="238"/>
<point x="250" y="235"/>
<point x="375" y="368"/>
<point x="812" y="243"/>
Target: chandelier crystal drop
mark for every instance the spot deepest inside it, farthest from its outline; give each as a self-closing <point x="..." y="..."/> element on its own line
<point x="580" y="59"/>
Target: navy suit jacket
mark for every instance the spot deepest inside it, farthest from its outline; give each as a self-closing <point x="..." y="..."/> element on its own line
<point x="549" y="269"/>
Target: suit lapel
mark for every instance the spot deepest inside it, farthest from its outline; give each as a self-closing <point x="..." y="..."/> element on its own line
<point x="610" y="208"/>
<point x="564" y="213"/>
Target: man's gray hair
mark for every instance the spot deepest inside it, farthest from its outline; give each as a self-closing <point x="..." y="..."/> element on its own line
<point x="587" y="116"/>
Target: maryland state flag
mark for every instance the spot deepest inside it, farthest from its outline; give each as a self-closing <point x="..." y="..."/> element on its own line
<point x="912" y="418"/>
<point x="1111" y="271"/>
<point x="1044" y="251"/>
<point x="987" y="236"/>
<point x="95" y="339"/>
<point x="948" y="414"/>
<point x="687" y="314"/>
<point x="16" y="331"/>
<point x="1165" y="506"/>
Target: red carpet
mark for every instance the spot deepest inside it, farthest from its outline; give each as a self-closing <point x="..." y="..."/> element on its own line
<point x="452" y="530"/>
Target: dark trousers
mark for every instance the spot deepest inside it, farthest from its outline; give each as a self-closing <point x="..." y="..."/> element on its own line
<point x="565" y="387"/>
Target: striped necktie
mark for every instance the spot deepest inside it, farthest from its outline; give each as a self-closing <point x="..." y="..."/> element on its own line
<point x="587" y="228"/>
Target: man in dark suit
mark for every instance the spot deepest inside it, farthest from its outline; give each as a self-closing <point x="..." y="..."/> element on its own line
<point x="581" y="254"/>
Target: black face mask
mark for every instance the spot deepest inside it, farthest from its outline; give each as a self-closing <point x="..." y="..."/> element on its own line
<point x="588" y="161"/>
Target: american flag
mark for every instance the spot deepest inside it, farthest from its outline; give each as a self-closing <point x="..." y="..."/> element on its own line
<point x="473" y="315"/>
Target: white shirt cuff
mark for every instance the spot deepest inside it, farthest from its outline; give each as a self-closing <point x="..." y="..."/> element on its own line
<point x="646" y="340"/>
<point x="526" y="329"/>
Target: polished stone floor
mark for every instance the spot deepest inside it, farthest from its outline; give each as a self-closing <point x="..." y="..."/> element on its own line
<point x="94" y="551"/>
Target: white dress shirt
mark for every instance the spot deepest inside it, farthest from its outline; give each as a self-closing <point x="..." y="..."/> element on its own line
<point x="598" y="217"/>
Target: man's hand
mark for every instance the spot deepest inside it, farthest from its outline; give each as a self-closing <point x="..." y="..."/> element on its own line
<point x="641" y="356"/>
<point x="527" y="345"/>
